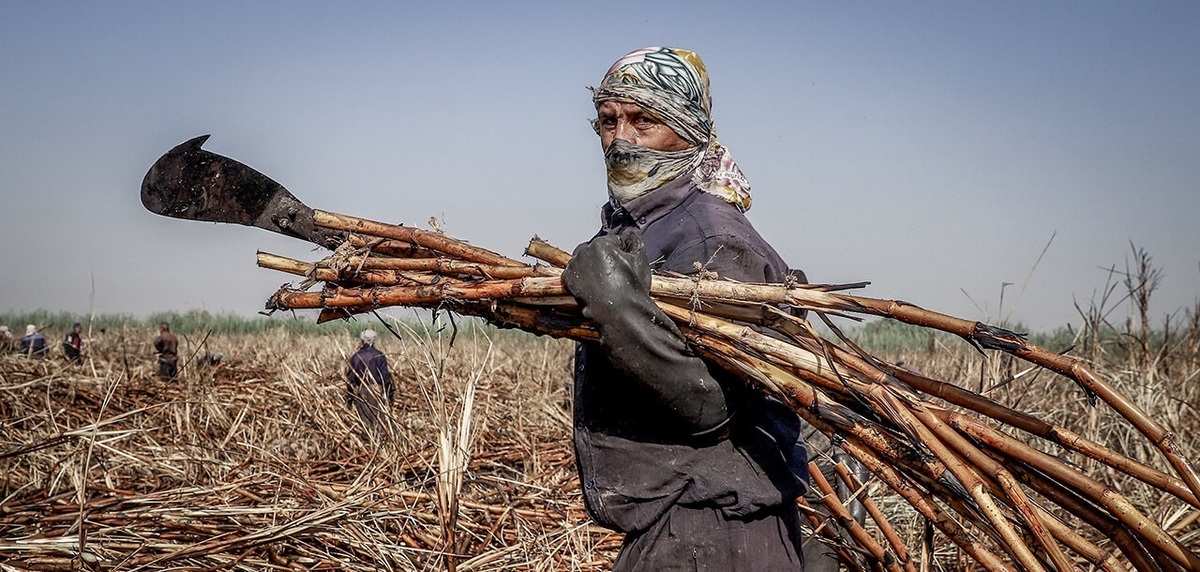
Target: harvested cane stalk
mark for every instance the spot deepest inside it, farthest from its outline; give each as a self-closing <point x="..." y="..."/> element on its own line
<point x="1006" y="504"/>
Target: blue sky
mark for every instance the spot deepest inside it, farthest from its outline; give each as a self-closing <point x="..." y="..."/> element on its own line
<point x="931" y="148"/>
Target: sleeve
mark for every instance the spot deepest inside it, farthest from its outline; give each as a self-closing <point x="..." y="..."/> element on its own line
<point x="610" y="277"/>
<point x="353" y="373"/>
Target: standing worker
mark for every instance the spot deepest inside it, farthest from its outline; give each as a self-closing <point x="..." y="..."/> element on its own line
<point x="167" y="347"/>
<point x="73" y="344"/>
<point x="369" y="389"/>
<point x="699" y="471"/>
<point x="6" y="340"/>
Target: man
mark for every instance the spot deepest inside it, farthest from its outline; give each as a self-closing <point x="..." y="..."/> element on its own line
<point x="369" y="389"/>
<point x="210" y="359"/>
<point x="33" y="345"/>
<point x="699" y="471"/>
<point x="73" y="344"/>
<point x="167" y="346"/>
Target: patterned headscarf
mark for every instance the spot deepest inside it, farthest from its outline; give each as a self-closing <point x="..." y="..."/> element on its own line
<point x="672" y="84"/>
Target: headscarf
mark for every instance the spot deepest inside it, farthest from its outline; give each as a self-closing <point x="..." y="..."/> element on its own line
<point x="30" y="330"/>
<point x="672" y="84"/>
<point x="368" y="337"/>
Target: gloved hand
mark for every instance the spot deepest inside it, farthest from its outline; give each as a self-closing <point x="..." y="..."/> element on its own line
<point x="608" y="270"/>
<point x="610" y="278"/>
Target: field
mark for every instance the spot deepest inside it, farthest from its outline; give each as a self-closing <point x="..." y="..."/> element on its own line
<point x="258" y="464"/>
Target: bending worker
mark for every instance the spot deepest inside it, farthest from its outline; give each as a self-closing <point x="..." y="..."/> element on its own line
<point x="699" y="471"/>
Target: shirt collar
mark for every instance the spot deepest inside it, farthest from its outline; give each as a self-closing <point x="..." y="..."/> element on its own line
<point x="650" y="207"/>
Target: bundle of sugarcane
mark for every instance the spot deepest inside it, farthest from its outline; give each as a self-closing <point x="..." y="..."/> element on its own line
<point x="947" y="451"/>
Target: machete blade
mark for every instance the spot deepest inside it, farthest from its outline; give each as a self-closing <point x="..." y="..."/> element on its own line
<point x="193" y="184"/>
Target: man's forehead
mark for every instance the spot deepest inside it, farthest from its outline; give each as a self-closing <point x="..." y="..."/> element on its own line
<point x="609" y="107"/>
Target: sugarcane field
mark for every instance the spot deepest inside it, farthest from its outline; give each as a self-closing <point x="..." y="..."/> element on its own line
<point x="984" y="451"/>
<point x="599" y="287"/>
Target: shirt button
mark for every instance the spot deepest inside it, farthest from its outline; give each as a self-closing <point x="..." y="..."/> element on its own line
<point x="642" y="220"/>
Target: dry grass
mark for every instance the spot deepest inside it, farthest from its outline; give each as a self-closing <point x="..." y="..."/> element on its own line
<point x="1167" y="388"/>
<point x="259" y="465"/>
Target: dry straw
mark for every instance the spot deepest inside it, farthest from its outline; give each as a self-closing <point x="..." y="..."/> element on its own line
<point x="950" y="453"/>
<point x="257" y="464"/>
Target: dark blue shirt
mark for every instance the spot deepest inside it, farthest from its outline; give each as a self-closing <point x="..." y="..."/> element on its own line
<point x="633" y="463"/>
<point x="34" y="345"/>
<point x="368" y="365"/>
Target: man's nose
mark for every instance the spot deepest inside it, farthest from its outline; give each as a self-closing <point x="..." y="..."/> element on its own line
<point x="624" y="131"/>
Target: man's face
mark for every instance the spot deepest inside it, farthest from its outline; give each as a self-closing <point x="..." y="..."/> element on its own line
<point x="628" y="121"/>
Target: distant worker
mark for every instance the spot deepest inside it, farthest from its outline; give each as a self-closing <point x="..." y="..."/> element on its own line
<point x="73" y="344"/>
<point x="33" y="345"/>
<point x="6" y="340"/>
<point x="369" y="389"/>
<point x="211" y="359"/>
<point x="167" y="346"/>
<point x="209" y="365"/>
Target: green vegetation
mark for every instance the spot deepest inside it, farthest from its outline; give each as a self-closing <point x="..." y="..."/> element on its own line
<point x="201" y="322"/>
<point x="190" y="322"/>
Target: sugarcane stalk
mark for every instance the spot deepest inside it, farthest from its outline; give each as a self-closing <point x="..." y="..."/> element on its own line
<point x="1056" y="434"/>
<point x="824" y="528"/>
<point x="1072" y="502"/>
<point x="428" y="239"/>
<point x="896" y="410"/>
<point x="548" y="253"/>
<point x="845" y="520"/>
<point x="767" y="374"/>
<point x="891" y="408"/>
<point x="996" y="472"/>
<point x="423" y="296"/>
<point x="386" y="247"/>
<point x="1069" y="367"/>
<point x="1116" y="504"/>
<point x="1016" y="450"/>
<point x="971" y="481"/>
<point x="881" y="522"/>
<point x="436" y="265"/>
<point x="290" y="265"/>
<point x="308" y="270"/>
<point x="975" y="332"/>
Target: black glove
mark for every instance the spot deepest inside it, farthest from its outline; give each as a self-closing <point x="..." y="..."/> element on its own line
<point x="611" y="280"/>
<point x="607" y="270"/>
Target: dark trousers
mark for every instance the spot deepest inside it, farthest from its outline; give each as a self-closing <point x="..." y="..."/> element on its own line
<point x="72" y="353"/>
<point x="167" y="369"/>
<point x="371" y="401"/>
<point x="702" y="539"/>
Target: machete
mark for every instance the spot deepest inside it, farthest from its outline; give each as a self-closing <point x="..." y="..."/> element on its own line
<point x="193" y="184"/>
